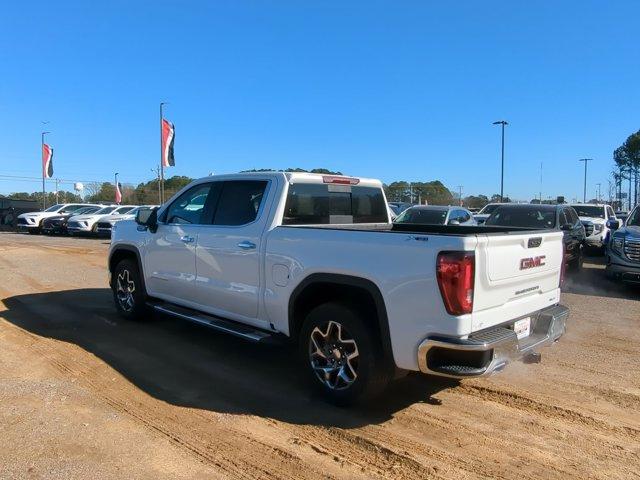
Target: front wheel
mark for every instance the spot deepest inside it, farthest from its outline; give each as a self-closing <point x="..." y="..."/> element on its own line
<point x="128" y="293"/>
<point x="341" y="354"/>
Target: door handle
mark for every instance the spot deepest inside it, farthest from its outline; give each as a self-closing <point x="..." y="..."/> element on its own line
<point x="247" y="245"/>
<point x="186" y="239"/>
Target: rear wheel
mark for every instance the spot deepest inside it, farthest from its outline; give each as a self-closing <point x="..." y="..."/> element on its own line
<point x="576" y="263"/>
<point x="128" y="293"/>
<point x="341" y="354"/>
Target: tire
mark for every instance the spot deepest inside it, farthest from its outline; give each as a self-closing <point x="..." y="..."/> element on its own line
<point x="331" y="333"/>
<point x="128" y="291"/>
<point x="576" y="263"/>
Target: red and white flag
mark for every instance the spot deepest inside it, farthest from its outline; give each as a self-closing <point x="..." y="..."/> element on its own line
<point x="168" y="134"/>
<point x="47" y="161"/>
<point x="118" y="193"/>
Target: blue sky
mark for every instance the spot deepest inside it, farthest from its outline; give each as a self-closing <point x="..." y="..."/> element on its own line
<point x="393" y="90"/>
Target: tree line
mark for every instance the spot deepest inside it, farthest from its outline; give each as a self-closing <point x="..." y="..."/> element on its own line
<point x="146" y="193"/>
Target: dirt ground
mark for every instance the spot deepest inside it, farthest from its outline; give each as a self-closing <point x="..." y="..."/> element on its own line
<point x="85" y="394"/>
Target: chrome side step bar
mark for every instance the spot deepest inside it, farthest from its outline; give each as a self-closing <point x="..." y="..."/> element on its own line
<point x="217" y="323"/>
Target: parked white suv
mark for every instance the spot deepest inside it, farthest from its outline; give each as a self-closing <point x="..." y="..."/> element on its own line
<point x="594" y="218"/>
<point x="106" y="223"/>
<point x="88" y="223"/>
<point x="314" y="258"/>
<point x="32" y="221"/>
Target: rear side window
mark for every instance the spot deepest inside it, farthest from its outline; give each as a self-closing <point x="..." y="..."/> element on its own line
<point x="326" y="204"/>
<point x="239" y="202"/>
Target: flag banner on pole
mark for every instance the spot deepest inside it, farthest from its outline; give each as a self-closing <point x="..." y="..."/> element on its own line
<point x="118" y="193"/>
<point x="47" y="161"/>
<point x="168" y="134"/>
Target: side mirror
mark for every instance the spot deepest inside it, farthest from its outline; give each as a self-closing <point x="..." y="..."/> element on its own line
<point x="147" y="219"/>
<point x="454" y="222"/>
<point x="612" y="224"/>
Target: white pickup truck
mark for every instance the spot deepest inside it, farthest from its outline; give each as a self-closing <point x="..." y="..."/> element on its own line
<point x="314" y="258"/>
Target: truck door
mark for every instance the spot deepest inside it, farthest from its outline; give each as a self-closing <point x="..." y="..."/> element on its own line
<point x="170" y="257"/>
<point x="228" y="251"/>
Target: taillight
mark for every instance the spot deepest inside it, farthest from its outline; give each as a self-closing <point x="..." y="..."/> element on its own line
<point x="563" y="267"/>
<point x="455" y="272"/>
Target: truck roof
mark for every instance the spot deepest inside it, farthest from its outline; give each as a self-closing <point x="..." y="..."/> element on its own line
<point x="302" y="177"/>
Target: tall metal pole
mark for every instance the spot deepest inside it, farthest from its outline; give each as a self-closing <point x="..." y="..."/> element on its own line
<point x="502" y="123"/>
<point x="57" y="182"/>
<point x="584" y="192"/>
<point x="44" y="196"/>
<point x="460" y="194"/>
<point x="540" y="182"/>
<point x="116" y="182"/>
<point x="598" y="185"/>
<point x="162" y="104"/>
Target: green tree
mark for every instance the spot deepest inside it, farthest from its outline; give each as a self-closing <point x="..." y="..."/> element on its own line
<point x="434" y="192"/>
<point x="627" y="159"/>
<point x="475" y="201"/>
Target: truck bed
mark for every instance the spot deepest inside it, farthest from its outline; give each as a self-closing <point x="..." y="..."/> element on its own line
<point x="456" y="230"/>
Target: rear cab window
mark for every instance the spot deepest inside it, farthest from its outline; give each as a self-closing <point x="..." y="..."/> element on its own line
<point x="334" y="204"/>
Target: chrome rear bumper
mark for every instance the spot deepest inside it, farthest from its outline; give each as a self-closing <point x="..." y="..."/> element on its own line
<point x="489" y="351"/>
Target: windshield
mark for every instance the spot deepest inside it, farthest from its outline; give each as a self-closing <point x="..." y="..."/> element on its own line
<point x="488" y="209"/>
<point x="86" y="210"/>
<point x="526" y="217"/>
<point x="588" y="211"/>
<point x="54" y="208"/>
<point x="123" y="210"/>
<point x="634" y="219"/>
<point x="425" y="216"/>
<point x="105" y="210"/>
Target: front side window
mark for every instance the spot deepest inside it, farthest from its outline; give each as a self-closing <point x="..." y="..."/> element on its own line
<point x="634" y="218"/>
<point x="572" y="215"/>
<point x="239" y="202"/>
<point x="329" y="204"/>
<point x="188" y="208"/>
<point x="123" y="210"/>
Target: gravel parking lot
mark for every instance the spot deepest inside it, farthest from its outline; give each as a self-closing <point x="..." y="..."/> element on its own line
<point x="85" y="394"/>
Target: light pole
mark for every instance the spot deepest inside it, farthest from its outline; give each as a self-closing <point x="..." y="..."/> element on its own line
<point x="598" y="185"/>
<point x="584" y="193"/>
<point x="502" y="123"/>
<point x="460" y="194"/>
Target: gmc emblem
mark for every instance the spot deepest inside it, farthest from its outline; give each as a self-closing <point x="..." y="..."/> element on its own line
<point x="532" y="262"/>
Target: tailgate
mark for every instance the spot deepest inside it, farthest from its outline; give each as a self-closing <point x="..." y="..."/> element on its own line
<point x="516" y="274"/>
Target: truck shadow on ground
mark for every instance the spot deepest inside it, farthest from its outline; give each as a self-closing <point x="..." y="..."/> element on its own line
<point x="591" y="280"/>
<point x="192" y="366"/>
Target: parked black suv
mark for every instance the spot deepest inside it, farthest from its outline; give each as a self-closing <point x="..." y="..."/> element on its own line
<point x="545" y="217"/>
<point x="58" y="224"/>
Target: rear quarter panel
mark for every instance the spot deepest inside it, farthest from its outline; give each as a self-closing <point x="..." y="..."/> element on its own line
<point x="401" y="265"/>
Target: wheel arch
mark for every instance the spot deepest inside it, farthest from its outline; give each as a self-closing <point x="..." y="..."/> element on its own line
<point x="122" y="252"/>
<point x="319" y="288"/>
